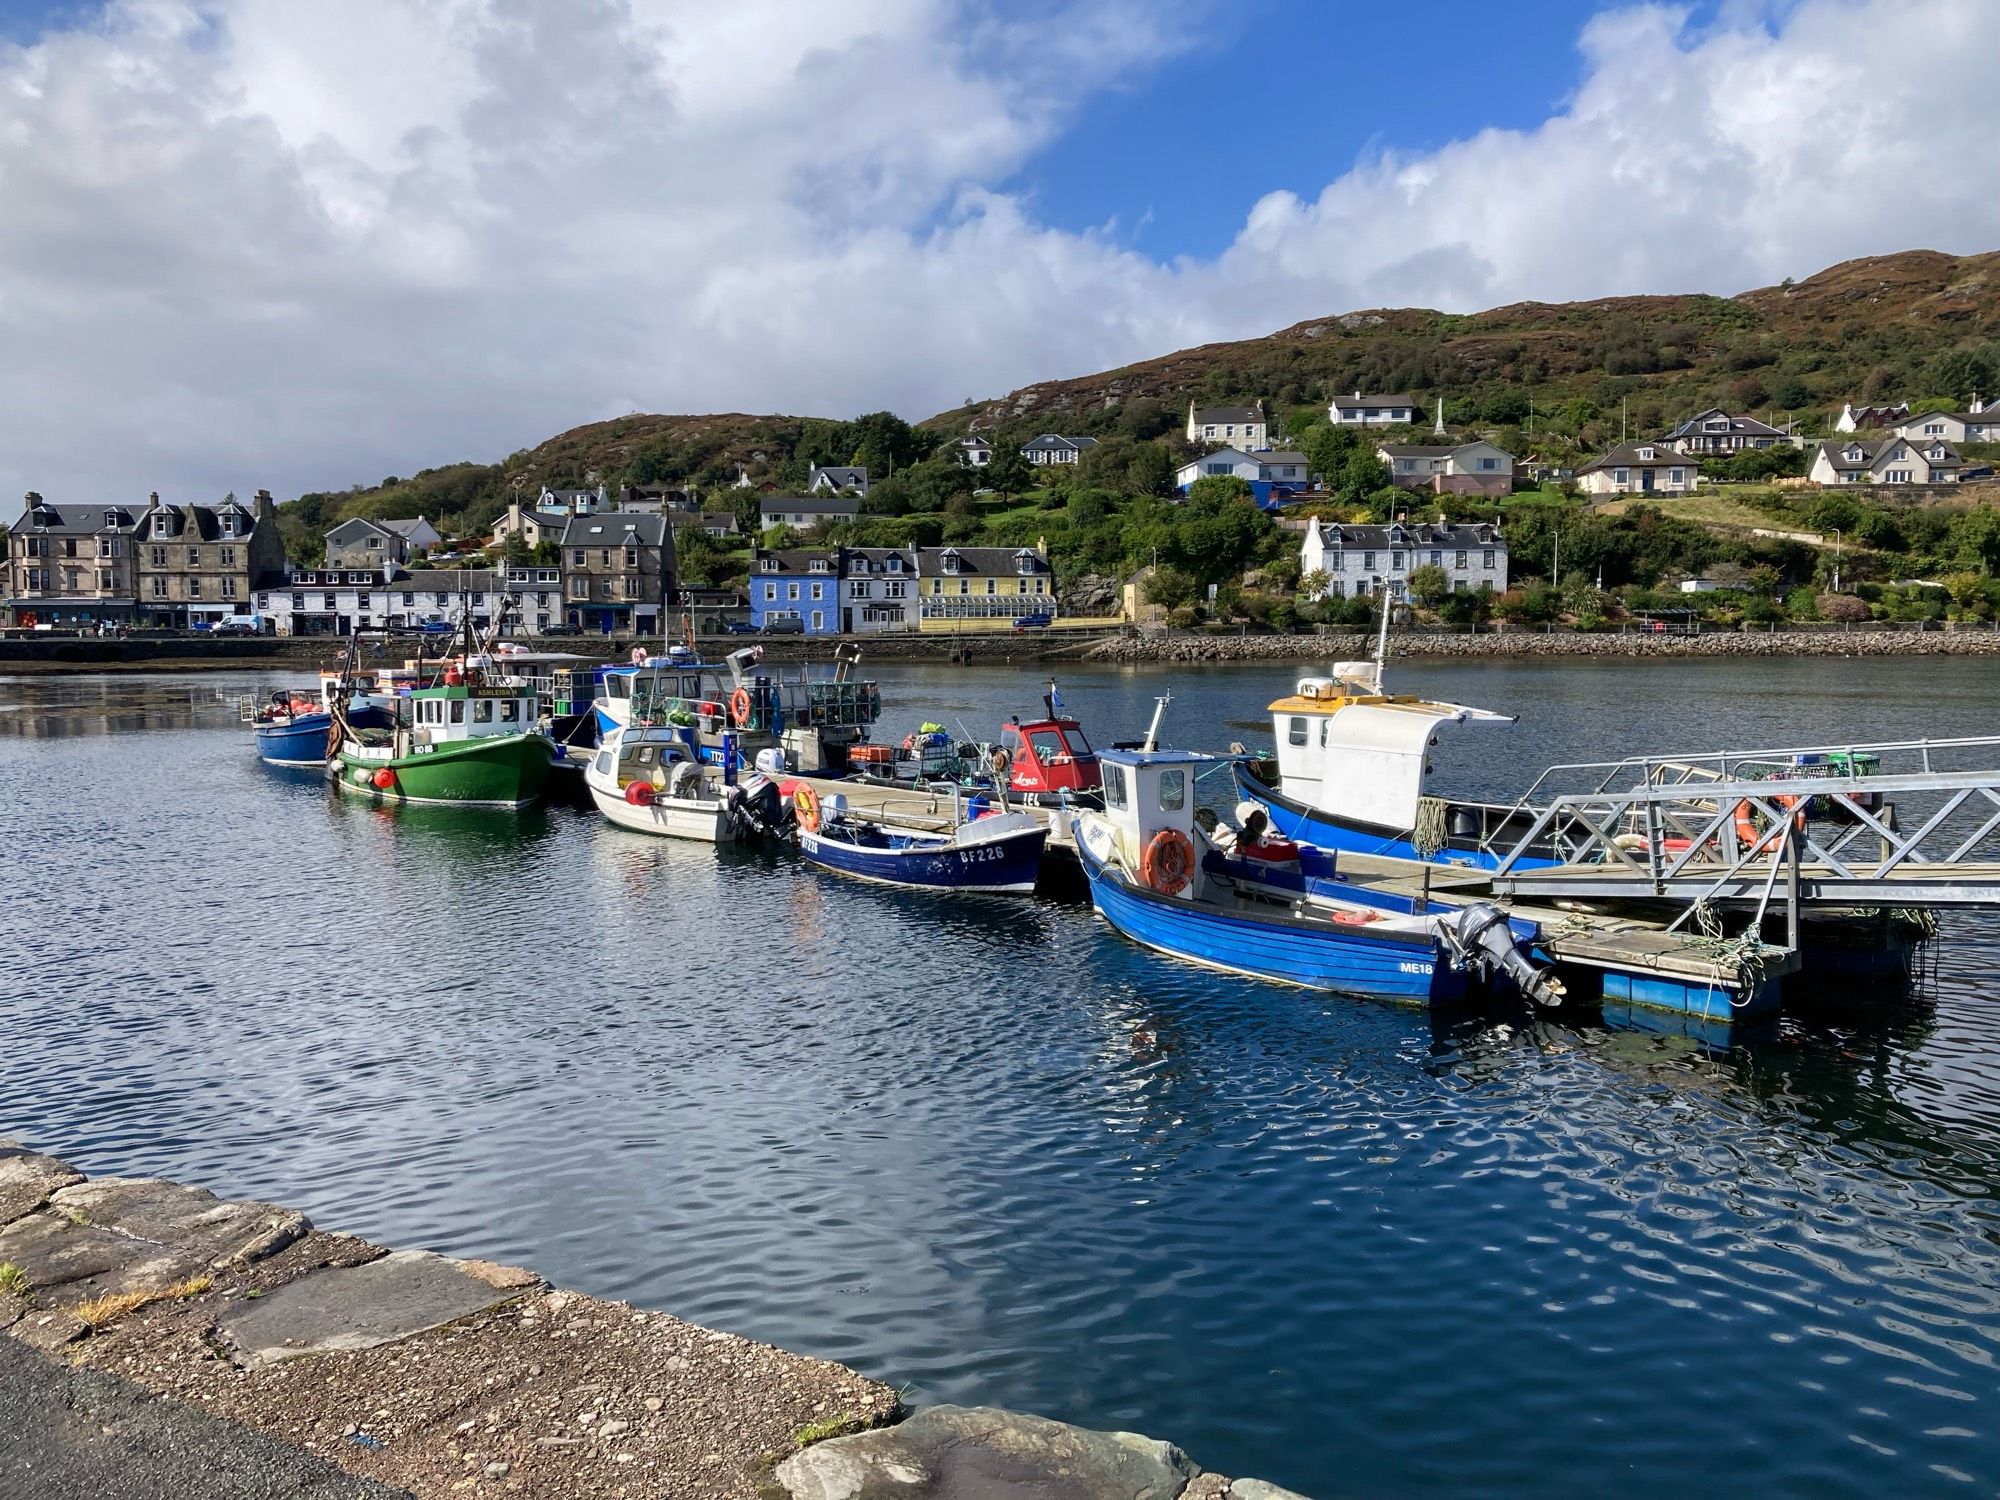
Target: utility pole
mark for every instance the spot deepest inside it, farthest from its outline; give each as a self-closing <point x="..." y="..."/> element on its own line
<point x="1836" y="559"/>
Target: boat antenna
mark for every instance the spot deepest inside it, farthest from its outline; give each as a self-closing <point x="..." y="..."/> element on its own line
<point x="1153" y="729"/>
<point x="1382" y="637"/>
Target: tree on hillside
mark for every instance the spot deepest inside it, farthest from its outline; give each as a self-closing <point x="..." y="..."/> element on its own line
<point x="1960" y="373"/>
<point x="1009" y="473"/>
<point x="1429" y="585"/>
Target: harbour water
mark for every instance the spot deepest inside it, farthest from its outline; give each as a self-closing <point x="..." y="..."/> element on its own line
<point x="987" y="1147"/>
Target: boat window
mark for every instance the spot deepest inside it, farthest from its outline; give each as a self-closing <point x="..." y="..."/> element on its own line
<point x="510" y="711"/>
<point x="1297" y="733"/>
<point x="458" y="710"/>
<point x="1173" y="789"/>
<point x="618" y="686"/>
<point x="482" y="711"/>
<point x="1079" y="746"/>
<point x="1114" y="789"/>
<point x="1322" y="732"/>
<point x="1046" y="744"/>
<point x="690" y="687"/>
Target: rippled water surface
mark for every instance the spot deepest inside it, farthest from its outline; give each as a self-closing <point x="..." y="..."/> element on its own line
<point x="989" y="1148"/>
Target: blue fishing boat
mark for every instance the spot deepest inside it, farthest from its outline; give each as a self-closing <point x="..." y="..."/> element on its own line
<point x="1176" y="879"/>
<point x="999" y="853"/>
<point x="293" y="727"/>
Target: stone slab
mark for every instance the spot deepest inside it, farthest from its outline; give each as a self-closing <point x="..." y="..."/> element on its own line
<point x="984" y="1453"/>
<point x="67" y="1262"/>
<point x="217" y="1232"/>
<point x="1257" y="1489"/>
<point x="356" y="1307"/>
<point x="27" y="1178"/>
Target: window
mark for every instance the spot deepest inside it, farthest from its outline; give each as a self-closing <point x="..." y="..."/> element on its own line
<point x="1173" y="789"/>
<point x="482" y="711"/>
<point x="328" y="601"/>
<point x="458" y="710"/>
<point x="1621" y="477"/>
<point x="159" y="588"/>
<point x="111" y="546"/>
<point x="1676" y="476"/>
<point x="510" y="711"/>
<point x="194" y="557"/>
<point x="858" y="590"/>
<point x="819" y="591"/>
<point x="1368" y="559"/>
<point x="819" y="619"/>
<point x="1334" y="561"/>
<point x="1114" y="789"/>
<point x="892" y="590"/>
<point x="163" y="525"/>
<point x="1458" y="558"/>
<point x="1487" y="560"/>
<point x="791" y="591"/>
<point x="992" y="585"/>
<point x="35" y="579"/>
<point x="194" y="588"/>
<point x="159" y="557"/>
<point x="1295" y="733"/>
<point x="1489" y="463"/>
<point x="299" y="602"/>
<point x="478" y="600"/>
<point x="965" y="585"/>
<point x="409" y="601"/>
<point x="228" y="557"/>
<point x="1437" y="557"/>
<point x="578" y="557"/>
<point x="631" y="556"/>
<point x="229" y="588"/>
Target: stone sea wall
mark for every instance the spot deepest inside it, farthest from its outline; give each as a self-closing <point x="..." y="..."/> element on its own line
<point x="1172" y="646"/>
<point x="424" y="1375"/>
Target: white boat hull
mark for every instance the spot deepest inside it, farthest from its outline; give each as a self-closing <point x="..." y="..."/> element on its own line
<point x="700" y="818"/>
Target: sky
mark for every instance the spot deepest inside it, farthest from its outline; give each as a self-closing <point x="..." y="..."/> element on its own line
<point x="272" y="243"/>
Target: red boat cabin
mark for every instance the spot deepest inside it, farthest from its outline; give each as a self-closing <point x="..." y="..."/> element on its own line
<point x="1053" y="756"/>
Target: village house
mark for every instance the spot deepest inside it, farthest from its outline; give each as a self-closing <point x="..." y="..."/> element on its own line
<point x="836" y="481"/>
<point x="878" y="590"/>
<point x="1475" y="468"/>
<point x="975" y="452"/>
<point x="1639" y="469"/>
<point x="533" y="527"/>
<point x="796" y="589"/>
<point x="1398" y="410"/>
<point x="803" y="513"/>
<point x="715" y="610"/>
<point x="1273" y="474"/>
<point x="196" y="564"/>
<point x="360" y="542"/>
<point x="1054" y="448"/>
<point x="1885" y="460"/>
<point x="69" y="565"/>
<point x="1237" y="426"/>
<point x="1716" y="433"/>
<point x="980" y="587"/>
<point x="1356" y="562"/>
<point x="1978" y="423"/>
<point x="651" y="499"/>
<point x="573" y="502"/>
<point x="717" y="523"/>
<point x="1854" y="418"/>
<point x="618" y="572"/>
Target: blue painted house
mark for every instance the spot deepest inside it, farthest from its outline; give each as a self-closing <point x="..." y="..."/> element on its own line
<point x="799" y="584"/>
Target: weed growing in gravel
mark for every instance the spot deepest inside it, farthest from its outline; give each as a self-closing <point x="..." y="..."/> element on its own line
<point x="13" y="1280"/>
<point x="100" y="1312"/>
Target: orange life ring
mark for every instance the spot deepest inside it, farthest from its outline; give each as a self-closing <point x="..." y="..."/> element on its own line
<point x="805" y="805"/>
<point x="1168" y="862"/>
<point x="739" y="707"/>
<point x="1746" y="818"/>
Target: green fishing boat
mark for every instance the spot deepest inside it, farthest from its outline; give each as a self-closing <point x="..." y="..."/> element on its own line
<point x="467" y="742"/>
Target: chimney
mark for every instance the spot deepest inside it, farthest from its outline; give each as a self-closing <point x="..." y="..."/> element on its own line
<point x="33" y="498"/>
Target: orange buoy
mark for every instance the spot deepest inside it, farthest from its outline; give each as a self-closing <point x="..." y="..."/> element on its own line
<point x="385" y="780"/>
<point x="640" y="793"/>
<point x="1746" y="817"/>
<point x="1168" y="862"/>
<point x="739" y="707"/>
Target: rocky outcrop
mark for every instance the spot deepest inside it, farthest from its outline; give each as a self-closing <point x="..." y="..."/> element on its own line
<point x="1179" y="646"/>
<point x="1092" y="596"/>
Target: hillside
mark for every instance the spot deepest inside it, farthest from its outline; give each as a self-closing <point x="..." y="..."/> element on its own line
<point x="1883" y="327"/>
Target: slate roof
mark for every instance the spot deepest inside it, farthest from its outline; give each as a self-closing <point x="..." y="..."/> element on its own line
<point x="1359" y="402"/>
<point x="973" y="562"/>
<point x="1418" y="534"/>
<point x="1049" y="440"/>
<point x="203" y="520"/>
<point x="611" y="529"/>
<point x="874" y="560"/>
<point x="1278" y="456"/>
<point x="404" y="526"/>
<point x="841" y="477"/>
<point x="1626" y="456"/>
<point x="810" y="505"/>
<point x="796" y="560"/>
<point x="1205" y="415"/>
<point x="1692" y="427"/>
<point x="1419" y="450"/>
<point x="43" y="518"/>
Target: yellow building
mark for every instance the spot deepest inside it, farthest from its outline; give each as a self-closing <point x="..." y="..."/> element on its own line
<point x="974" y="588"/>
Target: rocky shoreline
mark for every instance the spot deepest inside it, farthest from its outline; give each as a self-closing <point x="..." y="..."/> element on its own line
<point x="431" y="1376"/>
<point x="1174" y="646"/>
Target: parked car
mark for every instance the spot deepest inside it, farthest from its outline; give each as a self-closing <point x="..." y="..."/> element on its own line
<point x="1033" y="622"/>
<point x="561" y="630"/>
<point x="784" y="625"/>
<point x="738" y="627"/>
<point x="237" y="625"/>
<point x="437" y="627"/>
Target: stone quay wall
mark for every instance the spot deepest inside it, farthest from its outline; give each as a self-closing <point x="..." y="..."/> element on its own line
<point x="423" y="1375"/>
<point x="1176" y="646"/>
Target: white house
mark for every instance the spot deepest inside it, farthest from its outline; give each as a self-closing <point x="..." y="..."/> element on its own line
<point x="1639" y="469"/>
<point x="1885" y="460"/>
<point x="1054" y="448"/>
<point x="1716" y="432"/>
<point x="1978" y="423"/>
<point x="975" y="452"/>
<point x="1398" y="410"/>
<point x="1237" y="426"/>
<point x="1475" y="468"/>
<point x="573" y="502"/>
<point x="878" y="590"/>
<point x="1267" y="465"/>
<point x="1854" y="418"/>
<point x="836" y="481"/>
<point x="340" y="601"/>
<point x="806" y="512"/>
<point x="359" y="542"/>
<point x="1357" y="561"/>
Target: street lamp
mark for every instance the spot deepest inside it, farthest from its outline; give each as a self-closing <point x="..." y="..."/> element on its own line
<point x="1836" y="559"/>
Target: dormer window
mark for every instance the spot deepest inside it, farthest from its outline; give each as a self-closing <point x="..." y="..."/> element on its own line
<point x="1854" y="455"/>
<point x="948" y="560"/>
<point x="163" y="524"/>
<point x="770" y="565"/>
<point x="819" y="565"/>
<point x="111" y="520"/>
<point x="896" y="564"/>
<point x="1024" y="561"/>
<point x="1646" y="455"/>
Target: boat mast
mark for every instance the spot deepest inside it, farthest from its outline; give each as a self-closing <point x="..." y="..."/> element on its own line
<point x="1153" y="729"/>
<point x="1382" y="636"/>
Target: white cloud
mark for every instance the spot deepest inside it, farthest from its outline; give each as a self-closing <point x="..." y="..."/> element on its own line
<point x="250" y="242"/>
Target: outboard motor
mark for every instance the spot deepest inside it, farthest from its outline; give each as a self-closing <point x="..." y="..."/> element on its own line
<point x="1481" y="937"/>
<point x="756" y="807"/>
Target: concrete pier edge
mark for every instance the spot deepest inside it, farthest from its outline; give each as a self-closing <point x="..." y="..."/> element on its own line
<point x="165" y="1321"/>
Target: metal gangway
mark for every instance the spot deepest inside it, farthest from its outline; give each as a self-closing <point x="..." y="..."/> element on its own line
<point x="1911" y="823"/>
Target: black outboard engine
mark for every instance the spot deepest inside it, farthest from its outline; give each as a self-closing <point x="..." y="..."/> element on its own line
<point x="756" y="807"/>
<point x="1481" y="937"/>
